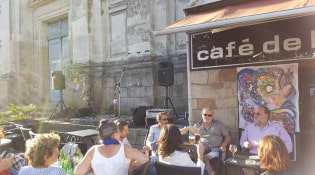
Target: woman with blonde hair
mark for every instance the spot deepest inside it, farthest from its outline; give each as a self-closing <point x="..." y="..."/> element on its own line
<point x="274" y="156"/>
<point x="42" y="152"/>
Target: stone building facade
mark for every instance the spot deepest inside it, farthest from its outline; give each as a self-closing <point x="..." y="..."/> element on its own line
<point x="108" y="42"/>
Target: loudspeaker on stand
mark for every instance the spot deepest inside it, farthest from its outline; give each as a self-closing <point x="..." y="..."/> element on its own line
<point x="166" y="73"/>
<point x="58" y="80"/>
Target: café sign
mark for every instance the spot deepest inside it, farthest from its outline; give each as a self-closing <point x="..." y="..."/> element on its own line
<point x="286" y="40"/>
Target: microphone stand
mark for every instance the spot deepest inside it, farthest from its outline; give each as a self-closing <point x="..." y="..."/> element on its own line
<point x="91" y="101"/>
<point x="117" y="90"/>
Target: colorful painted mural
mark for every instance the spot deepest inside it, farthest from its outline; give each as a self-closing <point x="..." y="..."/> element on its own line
<point x="274" y="86"/>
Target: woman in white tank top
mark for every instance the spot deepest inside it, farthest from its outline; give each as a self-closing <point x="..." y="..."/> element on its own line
<point x="111" y="157"/>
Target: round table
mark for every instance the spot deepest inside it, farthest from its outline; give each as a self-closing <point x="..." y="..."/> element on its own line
<point x="3" y="143"/>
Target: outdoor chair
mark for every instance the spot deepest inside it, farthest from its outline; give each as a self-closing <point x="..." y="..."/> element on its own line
<point x="293" y="139"/>
<point x="166" y="169"/>
<point x="142" y="169"/>
<point x="25" y="133"/>
<point x="32" y="134"/>
<point x="217" y="162"/>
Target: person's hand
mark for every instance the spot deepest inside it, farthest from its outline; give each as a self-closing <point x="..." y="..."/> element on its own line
<point x="255" y="143"/>
<point x="223" y="148"/>
<point x="145" y="147"/>
<point x="7" y="162"/>
<point x="146" y="150"/>
<point x="247" y="145"/>
<point x="193" y="129"/>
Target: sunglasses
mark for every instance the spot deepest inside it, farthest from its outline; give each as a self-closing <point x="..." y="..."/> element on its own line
<point x="209" y="115"/>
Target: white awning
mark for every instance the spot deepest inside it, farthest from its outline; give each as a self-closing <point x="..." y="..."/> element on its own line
<point x="242" y="14"/>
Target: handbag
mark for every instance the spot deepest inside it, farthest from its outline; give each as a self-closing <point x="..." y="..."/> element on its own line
<point x="70" y="149"/>
<point x="70" y="155"/>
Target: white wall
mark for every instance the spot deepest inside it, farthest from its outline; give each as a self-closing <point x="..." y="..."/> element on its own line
<point x="4" y="37"/>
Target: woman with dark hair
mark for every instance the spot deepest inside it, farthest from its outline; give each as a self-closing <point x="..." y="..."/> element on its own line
<point x="111" y="157"/>
<point x="274" y="156"/>
<point x="171" y="149"/>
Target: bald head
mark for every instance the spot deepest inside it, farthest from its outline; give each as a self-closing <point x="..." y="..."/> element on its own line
<point x="261" y="116"/>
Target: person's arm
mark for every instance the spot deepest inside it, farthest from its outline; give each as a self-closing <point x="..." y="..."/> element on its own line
<point x="184" y="130"/>
<point x="244" y="139"/>
<point x="285" y="137"/>
<point x="6" y="163"/>
<point x="200" y="151"/>
<point x="84" y="166"/>
<point x="226" y="135"/>
<point x="136" y="155"/>
<point x="150" y="137"/>
<point x="189" y="128"/>
<point x="227" y="140"/>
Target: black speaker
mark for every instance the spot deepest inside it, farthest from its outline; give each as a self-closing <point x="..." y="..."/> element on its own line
<point x="58" y="80"/>
<point x="139" y="115"/>
<point x="165" y="73"/>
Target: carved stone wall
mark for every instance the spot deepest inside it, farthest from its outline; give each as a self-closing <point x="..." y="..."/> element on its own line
<point x="110" y="40"/>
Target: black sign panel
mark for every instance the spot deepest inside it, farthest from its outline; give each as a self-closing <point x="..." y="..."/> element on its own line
<point x="284" y="40"/>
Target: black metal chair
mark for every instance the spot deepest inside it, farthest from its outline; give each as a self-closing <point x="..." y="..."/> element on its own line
<point x="25" y="133"/>
<point x="142" y="169"/>
<point x="32" y="134"/>
<point x="166" y="169"/>
<point x="293" y="153"/>
<point x="217" y="162"/>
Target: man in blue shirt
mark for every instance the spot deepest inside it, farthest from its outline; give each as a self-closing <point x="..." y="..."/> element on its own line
<point x="154" y="131"/>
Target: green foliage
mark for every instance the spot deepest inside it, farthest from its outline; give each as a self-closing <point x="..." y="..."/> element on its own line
<point x="74" y="74"/>
<point x="15" y="112"/>
<point x="77" y="81"/>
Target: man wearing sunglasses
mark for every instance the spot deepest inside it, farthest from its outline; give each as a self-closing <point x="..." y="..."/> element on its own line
<point x="214" y="135"/>
<point x="154" y="131"/>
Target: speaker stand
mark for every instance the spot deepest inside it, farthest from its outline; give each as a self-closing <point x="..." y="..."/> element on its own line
<point x="167" y="98"/>
<point x="62" y="105"/>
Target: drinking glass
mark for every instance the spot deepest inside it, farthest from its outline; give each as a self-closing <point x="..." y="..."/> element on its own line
<point x="191" y="139"/>
<point x="233" y="149"/>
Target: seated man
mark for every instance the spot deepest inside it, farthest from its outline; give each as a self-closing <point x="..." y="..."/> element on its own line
<point x="154" y="132"/>
<point x="261" y="127"/>
<point x="124" y="130"/>
<point x="214" y="135"/>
